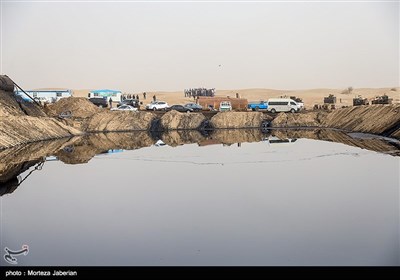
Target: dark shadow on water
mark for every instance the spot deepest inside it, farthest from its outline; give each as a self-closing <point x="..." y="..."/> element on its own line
<point x="80" y="150"/>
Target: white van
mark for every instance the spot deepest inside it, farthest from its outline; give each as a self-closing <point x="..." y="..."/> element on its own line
<point x="282" y="105"/>
<point x="225" y="106"/>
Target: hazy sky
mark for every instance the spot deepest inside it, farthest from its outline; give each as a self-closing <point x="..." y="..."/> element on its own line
<point x="136" y="46"/>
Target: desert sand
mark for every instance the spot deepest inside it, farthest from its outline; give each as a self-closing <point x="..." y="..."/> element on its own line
<point x="309" y="96"/>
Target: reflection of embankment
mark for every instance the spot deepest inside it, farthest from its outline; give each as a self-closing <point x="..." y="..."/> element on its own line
<point x="180" y="137"/>
<point x="376" y="119"/>
<point x="88" y="146"/>
<point x="372" y="144"/>
<point x="232" y="136"/>
<point x="17" y="160"/>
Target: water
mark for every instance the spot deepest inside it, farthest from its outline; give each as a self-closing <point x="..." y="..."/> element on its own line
<point x="303" y="202"/>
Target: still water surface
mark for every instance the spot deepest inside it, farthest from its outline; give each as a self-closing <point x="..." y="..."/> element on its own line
<point x="304" y="203"/>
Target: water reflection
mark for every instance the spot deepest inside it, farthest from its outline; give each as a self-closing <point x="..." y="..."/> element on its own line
<point x="272" y="201"/>
<point x="80" y="150"/>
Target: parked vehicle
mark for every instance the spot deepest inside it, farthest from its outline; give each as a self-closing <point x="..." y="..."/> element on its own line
<point x="194" y="106"/>
<point x="299" y="101"/>
<point x="99" y="102"/>
<point x="300" y="105"/>
<point x="44" y="100"/>
<point x="331" y="99"/>
<point x="282" y="105"/>
<point x="225" y="106"/>
<point x="357" y="101"/>
<point x="255" y="106"/>
<point x="157" y="105"/>
<point x="124" y="108"/>
<point x="180" y="108"/>
<point x="132" y="102"/>
<point x="383" y="99"/>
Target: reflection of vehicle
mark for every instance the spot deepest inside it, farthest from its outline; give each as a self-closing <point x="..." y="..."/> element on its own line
<point x="276" y="140"/>
<point x="255" y="106"/>
<point x="180" y="108"/>
<point x="157" y="105"/>
<point x="99" y="101"/>
<point x="225" y="106"/>
<point x="282" y="105"/>
<point x="132" y="102"/>
<point x="159" y="143"/>
<point x="124" y="108"/>
<point x="194" y="106"/>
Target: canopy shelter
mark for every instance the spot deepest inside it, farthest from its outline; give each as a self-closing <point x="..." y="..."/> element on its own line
<point x="115" y="95"/>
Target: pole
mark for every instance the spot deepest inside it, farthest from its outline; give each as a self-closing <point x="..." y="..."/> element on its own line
<point x="25" y="92"/>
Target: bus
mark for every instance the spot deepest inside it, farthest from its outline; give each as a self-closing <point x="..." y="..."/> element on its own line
<point x="115" y="95"/>
<point x="282" y="105"/>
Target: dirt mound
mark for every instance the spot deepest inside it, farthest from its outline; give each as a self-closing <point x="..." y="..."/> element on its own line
<point x="303" y="119"/>
<point x="8" y="105"/>
<point x="371" y="119"/>
<point x="6" y="84"/>
<point x="13" y="105"/>
<point x="176" y="120"/>
<point x="238" y="119"/>
<point x="119" y="121"/>
<point x="80" y="107"/>
<point x="375" y="119"/>
<point x="15" y="130"/>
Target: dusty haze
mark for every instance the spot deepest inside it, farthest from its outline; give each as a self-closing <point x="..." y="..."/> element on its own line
<point x="171" y="46"/>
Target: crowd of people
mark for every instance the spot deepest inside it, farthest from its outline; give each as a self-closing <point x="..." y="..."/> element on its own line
<point x="193" y="92"/>
<point x="132" y="96"/>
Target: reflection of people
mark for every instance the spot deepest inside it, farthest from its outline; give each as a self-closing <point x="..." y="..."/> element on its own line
<point x="110" y="101"/>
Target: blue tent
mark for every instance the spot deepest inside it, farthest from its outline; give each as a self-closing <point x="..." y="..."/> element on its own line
<point x="109" y="91"/>
<point x="115" y="95"/>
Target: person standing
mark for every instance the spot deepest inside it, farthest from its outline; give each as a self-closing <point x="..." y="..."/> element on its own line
<point x="144" y="95"/>
<point x="154" y="97"/>
<point x="110" y="101"/>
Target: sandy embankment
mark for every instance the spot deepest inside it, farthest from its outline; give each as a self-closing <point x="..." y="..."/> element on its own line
<point x="25" y="122"/>
<point x="375" y="119"/>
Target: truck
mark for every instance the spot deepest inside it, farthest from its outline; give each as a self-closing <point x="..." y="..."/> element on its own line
<point x="255" y="106"/>
<point x="357" y="101"/>
<point x="331" y="99"/>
